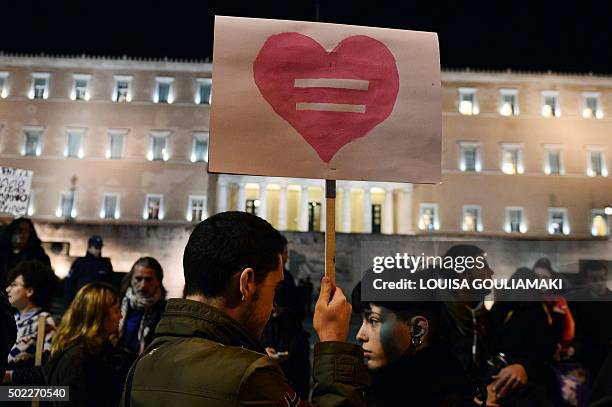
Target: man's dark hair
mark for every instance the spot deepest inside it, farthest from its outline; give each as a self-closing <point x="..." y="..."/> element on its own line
<point x="39" y="277"/>
<point x="226" y="244"/>
<point x="594" y="265"/>
<point x="146" y="262"/>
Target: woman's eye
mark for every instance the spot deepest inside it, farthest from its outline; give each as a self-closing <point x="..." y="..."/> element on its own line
<point x="373" y="321"/>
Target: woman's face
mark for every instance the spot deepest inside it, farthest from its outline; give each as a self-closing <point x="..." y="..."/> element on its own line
<point x="384" y="338"/>
<point x="112" y="320"/>
<point x="20" y="236"/>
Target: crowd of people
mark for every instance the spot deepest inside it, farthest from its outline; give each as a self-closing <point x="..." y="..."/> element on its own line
<point x="237" y="335"/>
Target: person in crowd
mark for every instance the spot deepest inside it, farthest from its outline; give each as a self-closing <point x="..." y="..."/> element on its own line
<point x="19" y="242"/>
<point x="142" y="304"/>
<point x="593" y="312"/>
<point x="531" y="329"/>
<point x="284" y="337"/>
<point x="557" y="305"/>
<point x="473" y="336"/>
<point x="601" y="393"/>
<point x="30" y="293"/>
<point x="400" y="340"/>
<point x="83" y="354"/>
<point x="210" y="341"/>
<point x="8" y="331"/>
<point x="84" y="270"/>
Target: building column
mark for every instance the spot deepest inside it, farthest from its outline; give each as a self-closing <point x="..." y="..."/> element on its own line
<point x="241" y="197"/>
<point x="387" y="216"/>
<point x="367" y="210"/>
<point x="303" y="214"/>
<point x="323" y="213"/>
<point x="408" y="196"/>
<point x="282" y="208"/>
<point x="346" y="210"/>
<point x="221" y="196"/>
<point x="263" y="195"/>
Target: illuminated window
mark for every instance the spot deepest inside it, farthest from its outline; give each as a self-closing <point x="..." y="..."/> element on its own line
<point x="557" y="221"/>
<point x="4" y="84"/>
<point x="40" y="86"/>
<point x="67" y="205"/>
<point x="159" y="146"/>
<point x="199" y="152"/>
<point x="252" y="206"/>
<point x="512" y="158"/>
<point x="469" y="156"/>
<point x="550" y="104"/>
<point x="204" y="90"/>
<point x="74" y="143"/>
<point x="599" y="223"/>
<point x="32" y="141"/>
<point x="80" y="87"/>
<point x="553" y="159"/>
<point x="110" y="206"/>
<point x="590" y="105"/>
<point x="123" y="88"/>
<point x="163" y="90"/>
<point x="428" y="217"/>
<point x="509" y="102"/>
<point x="468" y="104"/>
<point x="116" y="141"/>
<point x="471" y="218"/>
<point x="197" y="208"/>
<point x="153" y="207"/>
<point x="596" y="162"/>
<point x="515" y="222"/>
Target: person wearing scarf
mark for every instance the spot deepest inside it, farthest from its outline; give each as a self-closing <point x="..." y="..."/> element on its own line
<point x="143" y="301"/>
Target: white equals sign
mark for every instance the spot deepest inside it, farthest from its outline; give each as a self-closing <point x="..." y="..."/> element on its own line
<point x="334" y="83"/>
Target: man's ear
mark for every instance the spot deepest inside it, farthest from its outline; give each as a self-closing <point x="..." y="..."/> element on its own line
<point x="246" y="284"/>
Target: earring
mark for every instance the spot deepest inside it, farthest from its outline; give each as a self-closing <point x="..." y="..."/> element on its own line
<point x="243" y="298"/>
<point x="416" y="341"/>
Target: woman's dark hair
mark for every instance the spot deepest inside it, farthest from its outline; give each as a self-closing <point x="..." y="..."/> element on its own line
<point x="226" y="244"/>
<point x="40" y="278"/>
<point x="404" y="310"/>
<point x="146" y="262"/>
<point x="5" y="239"/>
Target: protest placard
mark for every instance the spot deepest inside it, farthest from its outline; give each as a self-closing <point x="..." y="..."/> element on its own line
<point x="328" y="101"/>
<point x="15" y="185"/>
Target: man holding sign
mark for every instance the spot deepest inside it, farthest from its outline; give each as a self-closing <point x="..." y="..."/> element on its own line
<point x="207" y="349"/>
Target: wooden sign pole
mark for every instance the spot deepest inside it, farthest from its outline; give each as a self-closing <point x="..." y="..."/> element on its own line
<point x="330" y="230"/>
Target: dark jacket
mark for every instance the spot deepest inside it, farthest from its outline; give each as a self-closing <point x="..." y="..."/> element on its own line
<point x="431" y="377"/>
<point x="202" y="357"/>
<point x="8" y="331"/>
<point x="95" y="379"/>
<point x="85" y="270"/>
<point x="32" y="251"/>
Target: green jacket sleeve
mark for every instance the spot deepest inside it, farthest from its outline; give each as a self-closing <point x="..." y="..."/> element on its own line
<point x="340" y="376"/>
<point x="339" y="373"/>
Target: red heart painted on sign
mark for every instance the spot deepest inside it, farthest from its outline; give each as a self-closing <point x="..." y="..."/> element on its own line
<point x="330" y="98"/>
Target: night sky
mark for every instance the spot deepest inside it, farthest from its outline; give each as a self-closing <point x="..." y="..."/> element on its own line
<point x="572" y="37"/>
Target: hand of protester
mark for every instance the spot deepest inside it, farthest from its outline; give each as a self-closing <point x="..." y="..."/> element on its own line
<point x="491" y="398"/>
<point x="332" y="313"/>
<point x="509" y="379"/>
<point x="278" y="356"/>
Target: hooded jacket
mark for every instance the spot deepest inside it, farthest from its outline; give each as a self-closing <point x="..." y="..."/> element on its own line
<point x="201" y="356"/>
